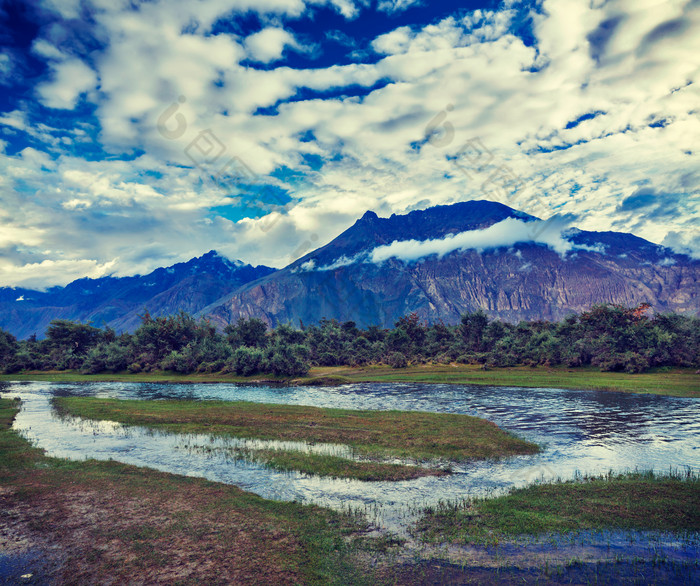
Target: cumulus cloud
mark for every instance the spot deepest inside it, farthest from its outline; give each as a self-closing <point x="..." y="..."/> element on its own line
<point x="684" y="243"/>
<point x="6" y="68"/>
<point x="554" y="233"/>
<point x="268" y="44"/>
<point x="340" y="262"/>
<point x="392" y="6"/>
<point x="55" y="272"/>
<point x="71" y="78"/>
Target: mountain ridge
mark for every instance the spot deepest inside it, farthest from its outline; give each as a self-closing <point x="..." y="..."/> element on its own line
<point x="440" y="262"/>
<point x="520" y="280"/>
<point x="119" y="301"/>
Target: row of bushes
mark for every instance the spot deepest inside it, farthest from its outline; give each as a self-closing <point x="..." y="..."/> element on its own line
<point x="610" y="337"/>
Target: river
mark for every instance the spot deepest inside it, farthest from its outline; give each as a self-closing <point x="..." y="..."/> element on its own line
<point x="586" y="432"/>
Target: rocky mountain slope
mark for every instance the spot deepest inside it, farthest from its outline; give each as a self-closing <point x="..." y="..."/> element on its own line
<point x="446" y="260"/>
<point x="118" y="301"/>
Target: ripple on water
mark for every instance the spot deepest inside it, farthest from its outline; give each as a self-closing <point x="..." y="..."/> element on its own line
<point x="581" y="431"/>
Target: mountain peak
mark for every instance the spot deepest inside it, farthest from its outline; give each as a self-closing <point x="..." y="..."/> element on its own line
<point x="369" y="215"/>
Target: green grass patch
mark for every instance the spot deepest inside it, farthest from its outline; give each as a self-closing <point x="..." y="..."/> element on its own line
<point x="678" y="382"/>
<point x="336" y="466"/>
<point x="632" y="501"/>
<point x="403" y="434"/>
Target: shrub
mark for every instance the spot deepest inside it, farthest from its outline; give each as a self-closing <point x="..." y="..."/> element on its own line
<point x="289" y="360"/>
<point x="247" y="361"/>
<point x="397" y="360"/>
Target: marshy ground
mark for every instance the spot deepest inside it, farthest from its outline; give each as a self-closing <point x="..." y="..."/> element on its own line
<point x="377" y="435"/>
<point x="105" y="522"/>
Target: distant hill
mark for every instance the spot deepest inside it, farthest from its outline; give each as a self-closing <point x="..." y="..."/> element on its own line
<point x="118" y="301"/>
<point x="447" y="260"/>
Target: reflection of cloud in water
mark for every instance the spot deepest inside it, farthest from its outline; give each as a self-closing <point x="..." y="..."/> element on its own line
<point x="581" y="431"/>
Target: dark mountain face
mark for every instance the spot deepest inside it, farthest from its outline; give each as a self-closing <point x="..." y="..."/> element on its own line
<point x="118" y="301"/>
<point x="522" y="280"/>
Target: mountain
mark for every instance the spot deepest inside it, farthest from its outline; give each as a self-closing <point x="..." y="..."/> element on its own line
<point x="446" y="260"/>
<point x="118" y="301"/>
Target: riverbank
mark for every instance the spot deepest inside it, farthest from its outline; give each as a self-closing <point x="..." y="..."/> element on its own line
<point x="92" y="522"/>
<point x="621" y="502"/>
<point x="379" y="435"/>
<point x="674" y="382"/>
<point x="95" y="522"/>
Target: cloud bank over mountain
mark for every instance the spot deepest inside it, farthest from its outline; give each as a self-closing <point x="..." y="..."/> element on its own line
<point x="503" y="234"/>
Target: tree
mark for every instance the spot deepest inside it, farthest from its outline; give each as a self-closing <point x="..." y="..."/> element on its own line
<point x="157" y="338"/>
<point x="289" y="360"/>
<point x="397" y="360"/>
<point x="8" y="351"/>
<point x="112" y="357"/>
<point x="247" y="361"/>
<point x="399" y="341"/>
<point x="411" y="325"/>
<point x="472" y="328"/>
<point x="247" y="332"/>
<point x="68" y="336"/>
<point x="439" y="339"/>
<point x="375" y="334"/>
<point x="287" y="335"/>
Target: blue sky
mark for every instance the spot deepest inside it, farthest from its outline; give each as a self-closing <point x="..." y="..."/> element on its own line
<point x="139" y="134"/>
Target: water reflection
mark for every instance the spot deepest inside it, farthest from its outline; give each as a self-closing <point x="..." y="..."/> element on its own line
<point x="582" y="431"/>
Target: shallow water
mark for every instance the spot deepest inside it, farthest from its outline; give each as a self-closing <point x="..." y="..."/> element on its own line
<point x="581" y="431"/>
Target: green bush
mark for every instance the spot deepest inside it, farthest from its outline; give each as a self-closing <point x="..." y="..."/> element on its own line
<point x="289" y="360"/>
<point x="247" y="361"/>
<point x="397" y="360"/>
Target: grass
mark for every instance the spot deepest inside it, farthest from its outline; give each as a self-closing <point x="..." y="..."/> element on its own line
<point x="336" y="466"/>
<point x="632" y="501"/>
<point x="678" y="382"/>
<point x="69" y="376"/>
<point x="401" y="434"/>
<point x="106" y="522"/>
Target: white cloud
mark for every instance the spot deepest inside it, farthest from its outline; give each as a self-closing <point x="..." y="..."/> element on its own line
<point x="343" y="261"/>
<point x="268" y="44"/>
<point x="15" y="119"/>
<point x="44" y="48"/>
<point x="394" y="43"/>
<point x="6" y="68"/>
<point x="503" y="234"/>
<point x="307" y="266"/>
<point x="393" y="6"/>
<point x="58" y="272"/>
<point x="71" y="78"/>
<point x="347" y="8"/>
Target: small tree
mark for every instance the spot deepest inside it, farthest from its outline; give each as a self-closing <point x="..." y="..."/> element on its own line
<point x="472" y="328"/>
<point x="74" y="337"/>
<point x="247" y="332"/>
<point x="8" y="351"/>
<point x="289" y="360"/>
